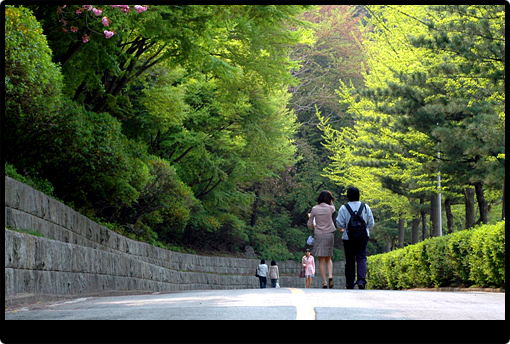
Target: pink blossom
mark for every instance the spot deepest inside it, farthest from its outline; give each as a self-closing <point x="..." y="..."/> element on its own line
<point x="74" y="29"/>
<point x="97" y="12"/>
<point x="123" y="8"/>
<point x="108" y="34"/>
<point x="140" y="9"/>
<point x="85" y="38"/>
<point x="105" y="21"/>
<point x="78" y="12"/>
<point x="88" y="7"/>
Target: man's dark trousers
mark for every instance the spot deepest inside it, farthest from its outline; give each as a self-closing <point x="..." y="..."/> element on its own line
<point x="355" y="253"/>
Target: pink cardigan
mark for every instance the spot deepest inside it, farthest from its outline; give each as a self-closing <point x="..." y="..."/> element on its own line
<point x="322" y="214"/>
<point x="309" y="263"/>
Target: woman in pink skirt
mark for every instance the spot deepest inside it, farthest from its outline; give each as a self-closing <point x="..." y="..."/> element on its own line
<point x="308" y="262"/>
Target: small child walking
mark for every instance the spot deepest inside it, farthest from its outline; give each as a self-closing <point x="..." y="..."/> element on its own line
<point x="308" y="263"/>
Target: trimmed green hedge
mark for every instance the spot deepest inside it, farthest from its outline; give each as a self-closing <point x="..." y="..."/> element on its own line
<point x="474" y="257"/>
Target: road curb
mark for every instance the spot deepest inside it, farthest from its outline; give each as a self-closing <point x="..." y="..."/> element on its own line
<point x="483" y="290"/>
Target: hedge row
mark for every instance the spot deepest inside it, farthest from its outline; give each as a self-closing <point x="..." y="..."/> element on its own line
<point x="474" y="257"/>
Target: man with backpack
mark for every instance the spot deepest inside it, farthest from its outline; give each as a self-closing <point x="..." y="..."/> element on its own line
<point x="355" y="220"/>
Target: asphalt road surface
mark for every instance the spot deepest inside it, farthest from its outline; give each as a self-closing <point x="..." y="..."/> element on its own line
<point x="274" y="304"/>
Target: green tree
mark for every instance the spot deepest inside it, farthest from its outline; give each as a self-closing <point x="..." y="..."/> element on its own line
<point x="409" y="110"/>
<point x="334" y="56"/>
<point x="330" y="55"/>
<point x="213" y="37"/>
<point x="33" y="85"/>
<point x="168" y="123"/>
<point x="473" y="37"/>
<point x="84" y="154"/>
<point x="454" y="94"/>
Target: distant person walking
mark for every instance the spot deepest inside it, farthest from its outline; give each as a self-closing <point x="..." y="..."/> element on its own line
<point x="308" y="263"/>
<point x="273" y="274"/>
<point x="356" y="232"/>
<point x="262" y="270"/>
<point x="323" y="234"/>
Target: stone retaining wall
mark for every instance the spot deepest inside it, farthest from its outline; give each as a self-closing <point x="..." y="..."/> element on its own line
<point x="77" y="256"/>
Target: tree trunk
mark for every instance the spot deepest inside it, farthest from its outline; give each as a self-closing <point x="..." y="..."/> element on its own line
<point x="434" y="204"/>
<point x="401" y="230"/>
<point x="424" y="230"/>
<point x="469" y="194"/>
<point x="482" y="203"/>
<point x="416" y="230"/>
<point x="73" y="49"/>
<point x="449" y="215"/>
<point x="388" y="246"/>
<point x="254" y="214"/>
<point x="79" y="90"/>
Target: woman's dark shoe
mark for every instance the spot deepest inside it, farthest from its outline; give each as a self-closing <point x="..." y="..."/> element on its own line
<point x="330" y="283"/>
<point x="325" y="286"/>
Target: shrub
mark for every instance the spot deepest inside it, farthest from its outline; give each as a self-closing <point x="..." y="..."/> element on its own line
<point x="412" y="268"/>
<point x="437" y="261"/>
<point x="487" y="261"/>
<point x="30" y="75"/>
<point x="472" y="257"/>
<point x="459" y="248"/>
<point x="376" y="276"/>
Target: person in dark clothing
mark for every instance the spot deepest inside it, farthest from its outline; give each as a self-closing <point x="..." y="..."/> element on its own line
<point x="262" y="271"/>
<point x="355" y="250"/>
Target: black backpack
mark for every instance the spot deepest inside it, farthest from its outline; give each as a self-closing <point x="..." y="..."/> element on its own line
<point x="357" y="228"/>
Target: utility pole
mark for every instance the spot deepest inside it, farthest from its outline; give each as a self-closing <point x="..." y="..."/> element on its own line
<point x="439" y="194"/>
<point x="439" y="189"/>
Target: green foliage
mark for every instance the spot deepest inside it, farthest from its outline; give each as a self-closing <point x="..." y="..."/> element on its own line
<point x="487" y="261"/>
<point x="334" y="57"/>
<point x="270" y="247"/>
<point x="268" y="240"/>
<point x="338" y="255"/>
<point x="31" y="78"/>
<point x="474" y="257"/>
<point x="82" y="154"/>
<point x="160" y="129"/>
<point x="30" y="231"/>
<point x="33" y="86"/>
<point x="180" y="130"/>
<point x="92" y="160"/>
<point x="433" y="85"/>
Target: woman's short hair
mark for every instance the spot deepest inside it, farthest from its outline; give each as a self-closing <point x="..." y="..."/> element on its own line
<point x="273" y="262"/>
<point x="262" y="261"/>
<point x="353" y="194"/>
<point x="325" y="197"/>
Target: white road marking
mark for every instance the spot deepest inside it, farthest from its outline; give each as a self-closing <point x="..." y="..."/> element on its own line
<point x="68" y="302"/>
<point x="78" y="300"/>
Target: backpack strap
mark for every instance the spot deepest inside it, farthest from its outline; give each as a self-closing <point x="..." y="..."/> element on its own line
<point x="348" y="207"/>
<point x="361" y="207"/>
<point x="360" y="210"/>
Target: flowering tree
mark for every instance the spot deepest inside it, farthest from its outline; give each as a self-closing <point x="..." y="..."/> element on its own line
<point x="83" y="12"/>
<point x="222" y="38"/>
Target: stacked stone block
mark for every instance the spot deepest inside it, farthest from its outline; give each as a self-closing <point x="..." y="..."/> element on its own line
<point x="77" y="256"/>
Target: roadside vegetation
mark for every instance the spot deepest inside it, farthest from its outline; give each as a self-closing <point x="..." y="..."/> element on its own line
<point x="210" y="128"/>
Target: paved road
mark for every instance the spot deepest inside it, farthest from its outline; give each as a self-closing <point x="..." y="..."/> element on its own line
<point x="274" y="304"/>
